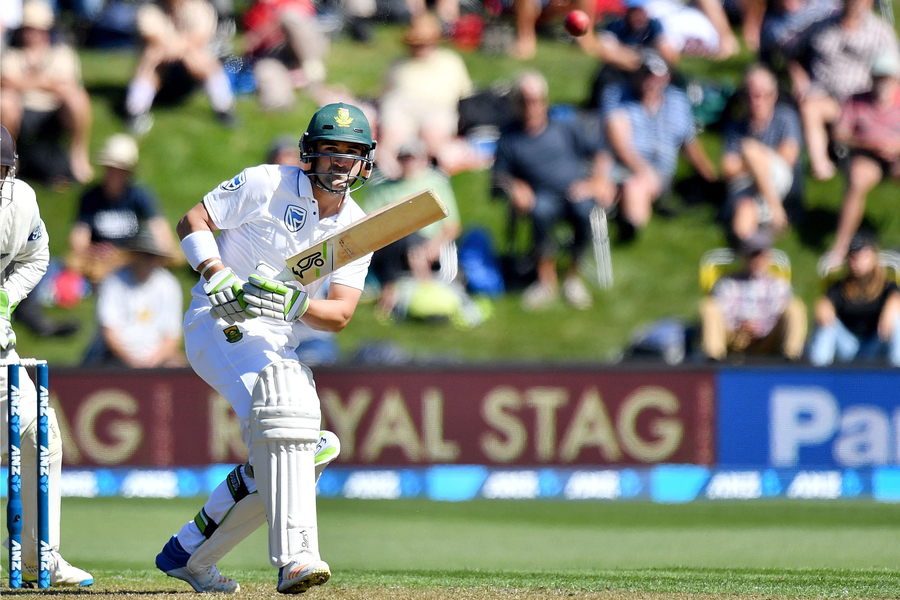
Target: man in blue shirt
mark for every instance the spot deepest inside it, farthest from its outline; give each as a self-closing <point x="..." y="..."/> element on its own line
<point x="645" y="135"/>
<point x="760" y="158"/>
<point x="551" y="170"/>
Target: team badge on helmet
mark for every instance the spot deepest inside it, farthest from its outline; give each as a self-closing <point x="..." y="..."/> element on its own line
<point x="343" y="118"/>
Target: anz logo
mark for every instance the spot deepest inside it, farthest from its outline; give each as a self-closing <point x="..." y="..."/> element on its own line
<point x="295" y="217"/>
<point x="232" y="185"/>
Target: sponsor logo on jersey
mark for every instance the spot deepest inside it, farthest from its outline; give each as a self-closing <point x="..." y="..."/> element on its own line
<point x="233" y="334"/>
<point x="295" y="217"/>
<point x="36" y="234"/>
<point x="232" y="185"/>
<point x="343" y="118"/>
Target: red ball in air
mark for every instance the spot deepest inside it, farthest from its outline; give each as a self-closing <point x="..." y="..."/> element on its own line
<point x="577" y="23"/>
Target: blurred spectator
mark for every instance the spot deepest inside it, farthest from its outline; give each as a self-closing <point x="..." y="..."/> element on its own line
<point x="553" y="171"/>
<point x="870" y="127"/>
<point x="621" y="47"/>
<point x="177" y="37"/>
<point x="41" y="92"/>
<point x="842" y="50"/>
<point x="284" y="40"/>
<point x="754" y="311"/>
<point x="857" y="318"/>
<point x="112" y="212"/>
<point x="697" y="29"/>
<point x="139" y="311"/>
<point x="759" y="158"/>
<point x="284" y="150"/>
<point x="785" y="26"/>
<point x="645" y="135"/>
<point x="421" y="97"/>
<point x="527" y="14"/>
<point x="419" y="253"/>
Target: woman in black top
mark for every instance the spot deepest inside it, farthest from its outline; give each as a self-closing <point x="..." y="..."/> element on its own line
<point x="857" y="317"/>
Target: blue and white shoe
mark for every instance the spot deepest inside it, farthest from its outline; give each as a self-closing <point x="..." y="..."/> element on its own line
<point x="62" y="574"/>
<point x="296" y="577"/>
<point x="173" y="562"/>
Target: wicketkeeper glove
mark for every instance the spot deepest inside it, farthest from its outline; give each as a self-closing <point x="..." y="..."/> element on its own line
<point x="7" y="335"/>
<point x="266" y="297"/>
<point x="226" y="297"/>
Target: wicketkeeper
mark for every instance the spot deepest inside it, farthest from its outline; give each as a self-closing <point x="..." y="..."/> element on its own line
<point x="24" y="255"/>
<point x="241" y="333"/>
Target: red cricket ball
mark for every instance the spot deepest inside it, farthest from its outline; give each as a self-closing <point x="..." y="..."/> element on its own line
<point x="577" y="22"/>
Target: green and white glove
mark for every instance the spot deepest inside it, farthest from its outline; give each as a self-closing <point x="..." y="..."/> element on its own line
<point x="266" y="297"/>
<point x="7" y="335"/>
<point x="226" y="297"/>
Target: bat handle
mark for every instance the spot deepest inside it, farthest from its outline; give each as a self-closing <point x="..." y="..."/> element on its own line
<point x="285" y="275"/>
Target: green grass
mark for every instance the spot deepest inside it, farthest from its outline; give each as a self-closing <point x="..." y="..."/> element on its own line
<point x="186" y="154"/>
<point x="781" y="548"/>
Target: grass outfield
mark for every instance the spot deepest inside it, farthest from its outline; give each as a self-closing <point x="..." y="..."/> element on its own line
<point x="423" y="549"/>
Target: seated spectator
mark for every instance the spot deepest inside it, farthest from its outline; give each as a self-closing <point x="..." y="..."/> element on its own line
<point x="697" y="29"/>
<point x="754" y="311"/>
<point x="285" y="150"/>
<point x="421" y="97"/>
<point x="527" y="14"/>
<point x="759" y="158"/>
<point x="112" y="212"/>
<point x="419" y="252"/>
<point x="284" y="40"/>
<point x="785" y="25"/>
<point x="857" y="318"/>
<point x="139" y="311"/>
<point x="870" y="127"/>
<point x="552" y="171"/>
<point x="645" y="135"/>
<point x="41" y="92"/>
<point x="177" y="37"/>
<point x="621" y="48"/>
<point x="842" y="50"/>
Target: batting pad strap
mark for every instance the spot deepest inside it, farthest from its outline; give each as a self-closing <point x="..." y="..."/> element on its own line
<point x="236" y="485"/>
<point x="205" y="524"/>
<point x="198" y="247"/>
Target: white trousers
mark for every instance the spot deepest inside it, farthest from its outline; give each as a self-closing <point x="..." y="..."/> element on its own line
<point x="230" y="357"/>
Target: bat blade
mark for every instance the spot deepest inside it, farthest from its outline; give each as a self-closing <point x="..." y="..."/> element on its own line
<point x="373" y="232"/>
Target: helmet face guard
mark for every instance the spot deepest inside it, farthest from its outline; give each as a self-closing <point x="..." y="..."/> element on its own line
<point x="8" y="157"/>
<point x="325" y="177"/>
<point x="337" y="123"/>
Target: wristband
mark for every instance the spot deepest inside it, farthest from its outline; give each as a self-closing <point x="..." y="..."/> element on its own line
<point x="199" y="247"/>
<point x="208" y="265"/>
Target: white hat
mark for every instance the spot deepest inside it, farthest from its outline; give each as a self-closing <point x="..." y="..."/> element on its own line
<point x="37" y="14"/>
<point x="119" y="151"/>
<point x="886" y="64"/>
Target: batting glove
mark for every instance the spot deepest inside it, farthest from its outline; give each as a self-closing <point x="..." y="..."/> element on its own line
<point x="226" y="297"/>
<point x="7" y="335"/>
<point x="275" y="299"/>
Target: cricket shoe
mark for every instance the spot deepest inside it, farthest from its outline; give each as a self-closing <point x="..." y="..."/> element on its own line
<point x="61" y="573"/>
<point x="173" y="562"/>
<point x="328" y="449"/>
<point x="296" y="577"/>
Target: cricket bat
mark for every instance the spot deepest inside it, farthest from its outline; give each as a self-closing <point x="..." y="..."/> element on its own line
<point x="373" y="232"/>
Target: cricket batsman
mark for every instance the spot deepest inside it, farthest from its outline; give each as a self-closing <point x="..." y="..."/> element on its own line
<point x="241" y="332"/>
<point x="24" y="255"/>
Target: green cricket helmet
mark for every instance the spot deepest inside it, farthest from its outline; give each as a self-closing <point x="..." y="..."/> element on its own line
<point x="338" y="123"/>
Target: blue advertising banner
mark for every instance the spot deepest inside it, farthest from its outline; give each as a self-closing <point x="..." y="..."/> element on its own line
<point x="809" y="418"/>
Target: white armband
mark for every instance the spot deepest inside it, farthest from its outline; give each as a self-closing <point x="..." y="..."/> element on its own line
<point x="198" y="247"/>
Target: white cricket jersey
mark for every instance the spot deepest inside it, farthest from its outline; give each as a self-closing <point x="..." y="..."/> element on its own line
<point x="23" y="240"/>
<point x="268" y="214"/>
